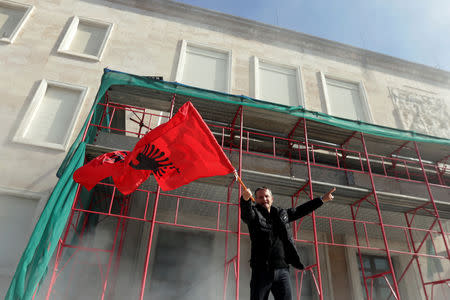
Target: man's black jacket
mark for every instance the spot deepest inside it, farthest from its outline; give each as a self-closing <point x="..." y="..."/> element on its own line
<point x="260" y="229"/>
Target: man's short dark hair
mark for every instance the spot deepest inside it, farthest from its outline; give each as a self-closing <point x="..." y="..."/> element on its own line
<point x="262" y="188"/>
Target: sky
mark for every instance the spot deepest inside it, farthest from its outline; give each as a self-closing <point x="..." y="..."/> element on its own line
<point x="414" y="30"/>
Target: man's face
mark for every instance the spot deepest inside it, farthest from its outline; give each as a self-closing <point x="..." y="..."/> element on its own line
<point x="264" y="198"/>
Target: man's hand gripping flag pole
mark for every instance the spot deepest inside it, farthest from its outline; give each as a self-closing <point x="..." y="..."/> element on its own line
<point x="242" y="183"/>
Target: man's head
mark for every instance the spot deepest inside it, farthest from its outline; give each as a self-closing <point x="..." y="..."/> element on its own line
<point x="264" y="197"/>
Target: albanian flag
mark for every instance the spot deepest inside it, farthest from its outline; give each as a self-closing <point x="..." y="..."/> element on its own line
<point x="99" y="168"/>
<point x="176" y="153"/>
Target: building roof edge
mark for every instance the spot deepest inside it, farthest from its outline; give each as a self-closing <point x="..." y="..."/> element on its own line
<point x="307" y="43"/>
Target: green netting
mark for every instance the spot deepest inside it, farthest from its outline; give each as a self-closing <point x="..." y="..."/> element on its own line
<point x="33" y="264"/>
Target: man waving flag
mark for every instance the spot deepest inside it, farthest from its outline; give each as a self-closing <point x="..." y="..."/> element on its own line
<point x="176" y="153"/>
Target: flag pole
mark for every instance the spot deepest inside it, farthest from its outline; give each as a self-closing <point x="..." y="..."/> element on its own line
<point x="242" y="183"/>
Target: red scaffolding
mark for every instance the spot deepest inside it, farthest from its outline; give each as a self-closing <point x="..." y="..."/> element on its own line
<point x="350" y="157"/>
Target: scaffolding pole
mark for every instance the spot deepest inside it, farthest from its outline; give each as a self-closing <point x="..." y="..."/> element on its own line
<point x="380" y="218"/>
<point x="316" y="242"/>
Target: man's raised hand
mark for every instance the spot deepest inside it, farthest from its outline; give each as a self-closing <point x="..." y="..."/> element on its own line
<point x="328" y="196"/>
<point x="246" y="194"/>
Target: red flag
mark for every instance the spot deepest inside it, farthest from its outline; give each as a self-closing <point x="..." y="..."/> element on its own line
<point x="99" y="168"/>
<point x="177" y="153"/>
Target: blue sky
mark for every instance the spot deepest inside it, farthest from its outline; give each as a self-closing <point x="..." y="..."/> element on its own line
<point x="414" y="30"/>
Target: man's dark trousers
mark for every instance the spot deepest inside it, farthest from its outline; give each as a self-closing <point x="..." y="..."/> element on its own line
<point x="264" y="281"/>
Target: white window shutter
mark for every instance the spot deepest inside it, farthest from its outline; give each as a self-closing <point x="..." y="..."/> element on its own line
<point x="345" y="99"/>
<point x="206" y="69"/>
<point x="278" y="84"/>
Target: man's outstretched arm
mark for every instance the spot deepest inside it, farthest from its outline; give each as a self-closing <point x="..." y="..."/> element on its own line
<point x="308" y="207"/>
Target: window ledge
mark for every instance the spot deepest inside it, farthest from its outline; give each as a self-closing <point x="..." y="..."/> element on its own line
<point x="76" y="54"/>
<point x="6" y="40"/>
<point x="54" y="146"/>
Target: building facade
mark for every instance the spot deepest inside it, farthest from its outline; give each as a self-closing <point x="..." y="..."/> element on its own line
<point x="385" y="233"/>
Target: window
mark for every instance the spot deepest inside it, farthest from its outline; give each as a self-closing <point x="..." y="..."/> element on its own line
<point x="50" y="119"/>
<point x="374" y="265"/>
<point x="346" y="99"/>
<point x="86" y="38"/>
<point x="204" y="67"/>
<point x="13" y="16"/>
<point x="182" y="265"/>
<point x="277" y="83"/>
<point x="17" y="218"/>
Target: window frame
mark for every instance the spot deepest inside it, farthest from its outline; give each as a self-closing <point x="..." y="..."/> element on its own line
<point x="368" y="117"/>
<point x="27" y="8"/>
<point x="255" y="92"/>
<point x="33" y="107"/>
<point x="64" y="46"/>
<point x="182" y="60"/>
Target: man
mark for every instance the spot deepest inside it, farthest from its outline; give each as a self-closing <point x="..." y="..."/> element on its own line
<point x="273" y="247"/>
